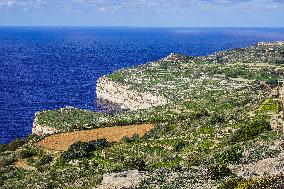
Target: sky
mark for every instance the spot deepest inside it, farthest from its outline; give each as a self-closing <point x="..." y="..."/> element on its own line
<point x="149" y="13"/>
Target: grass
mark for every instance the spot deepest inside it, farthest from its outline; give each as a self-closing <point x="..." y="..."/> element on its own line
<point x="189" y="143"/>
<point x="269" y="106"/>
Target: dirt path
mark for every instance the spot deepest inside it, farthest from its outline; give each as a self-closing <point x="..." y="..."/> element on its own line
<point x="61" y="142"/>
<point x="22" y="164"/>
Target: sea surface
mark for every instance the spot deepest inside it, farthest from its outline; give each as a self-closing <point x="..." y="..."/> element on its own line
<point x="44" y="68"/>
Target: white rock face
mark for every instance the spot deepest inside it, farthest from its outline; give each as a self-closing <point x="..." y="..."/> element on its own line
<point x="125" y="97"/>
<point x="42" y="130"/>
<point x="127" y="180"/>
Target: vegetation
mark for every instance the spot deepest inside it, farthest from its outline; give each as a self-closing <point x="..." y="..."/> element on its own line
<point x="216" y="172"/>
<point x="214" y="133"/>
<point x="250" y="130"/>
<point x="265" y="182"/>
<point x="233" y="154"/>
<point x="84" y="149"/>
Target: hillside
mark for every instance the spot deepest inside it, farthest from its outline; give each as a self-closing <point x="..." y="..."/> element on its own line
<point x="211" y="128"/>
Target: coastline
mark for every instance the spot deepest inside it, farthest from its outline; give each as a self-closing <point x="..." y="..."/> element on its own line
<point x="48" y="90"/>
<point x="40" y="130"/>
<point x="218" y="110"/>
<point x="125" y="97"/>
<point x="120" y="90"/>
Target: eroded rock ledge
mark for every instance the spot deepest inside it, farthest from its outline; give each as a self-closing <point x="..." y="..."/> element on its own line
<point x="125" y="97"/>
<point x="41" y="129"/>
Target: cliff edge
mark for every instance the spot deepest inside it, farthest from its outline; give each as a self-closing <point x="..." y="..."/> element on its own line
<point x="126" y="97"/>
<point x="42" y="129"/>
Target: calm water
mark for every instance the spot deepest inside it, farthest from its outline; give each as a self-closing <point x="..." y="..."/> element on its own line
<point x="49" y="68"/>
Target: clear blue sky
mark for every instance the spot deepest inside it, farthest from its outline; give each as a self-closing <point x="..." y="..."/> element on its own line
<point x="187" y="13"/>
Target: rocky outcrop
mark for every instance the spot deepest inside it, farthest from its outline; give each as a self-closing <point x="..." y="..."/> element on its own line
<point x="127" y="180"/>
<point x="273" y="166"/>
<point x="125" y="97"/>
<point x="42" y="130"/>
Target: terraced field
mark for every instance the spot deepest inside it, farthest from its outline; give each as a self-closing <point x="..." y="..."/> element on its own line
<point x="213" y="133"/>
<point x="61" y="142"/>
<point x="178" y="80"/>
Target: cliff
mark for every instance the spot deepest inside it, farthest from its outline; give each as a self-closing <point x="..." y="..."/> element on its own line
<point x="214" y="133"/>
<point x="125" y="97"/>
<point x="40" y="130"/>
<point x="43" y="130"/>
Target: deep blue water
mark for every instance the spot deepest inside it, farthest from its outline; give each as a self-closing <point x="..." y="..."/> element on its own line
<point x="49" y="67"/>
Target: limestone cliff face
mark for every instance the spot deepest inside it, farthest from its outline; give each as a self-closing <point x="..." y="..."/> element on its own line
<point x="125" y="97"/>
<point x="42" y="130"/>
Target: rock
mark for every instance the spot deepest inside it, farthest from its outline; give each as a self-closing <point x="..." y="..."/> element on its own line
<point x="43" y="130"/>
<point x="273" y="166"/>
<point x="40" y="129"/>
<point x="127" y="98"/>
<point x="124" y="180"/>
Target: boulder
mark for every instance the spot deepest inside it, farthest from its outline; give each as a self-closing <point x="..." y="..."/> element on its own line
<point x="124" y="180"/>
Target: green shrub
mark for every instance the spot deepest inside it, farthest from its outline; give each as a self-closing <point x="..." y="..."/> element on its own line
<point x="200" y="114"/>
<point x="136" y="163"/>
<point x="5" y="161"/>
<point x="43" y="161"/>
<point x="156" y="118"/>
<point x="231" y="183"/>
<point x="233" y="154"/>
<point x="193" y="159"/>
<point x="180" y="146"/>
<point x="156" y="132"/>
<point x="249" y="131"/>
<point x="2" y="148"/>
<point x="84" y="149"/>
<point x="265" y="182"/>
<point x="28" y="152"/>
<point x="123" y="121"/>
<point x="205" y="145"/>
<point x="127" y="139"/>
<point x="33" y="138"/>
<point x="207" y="130"/>
<point x="216" y="118"/>
<point x="13" y="145"/>
<point x="116" y="76"/>
<point x="218" y="171"/>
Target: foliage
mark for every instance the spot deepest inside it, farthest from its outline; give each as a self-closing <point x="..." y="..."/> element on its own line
<point x="29" y="151"/>
<point x="43" y="161"/>
<point x="180" y="146"/>
<point x="265" y="182"/>
<point x="233" y="154"/>
<point x="84" y="149"/>
<point x="136" y="163"/>
<point x="116" y="76"/>
<point x="269" y="106"/>
<point x="190" y="137"/>
<point x="250" y="130"/>
<point x="231" y="183"/>
<point x="8" y="160"/>
<point x="127" y="139"/>
<point x="13" y="145"/>
<point x="218" y="171"/>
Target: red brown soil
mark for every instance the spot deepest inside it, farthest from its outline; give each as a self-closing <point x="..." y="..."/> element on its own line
<point x="62" y="141"/>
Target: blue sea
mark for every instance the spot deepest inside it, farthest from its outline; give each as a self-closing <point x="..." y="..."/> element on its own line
<point x="44" y="68"/>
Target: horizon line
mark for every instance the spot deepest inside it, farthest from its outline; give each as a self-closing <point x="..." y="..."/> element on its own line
<point x="99" y="26"/>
